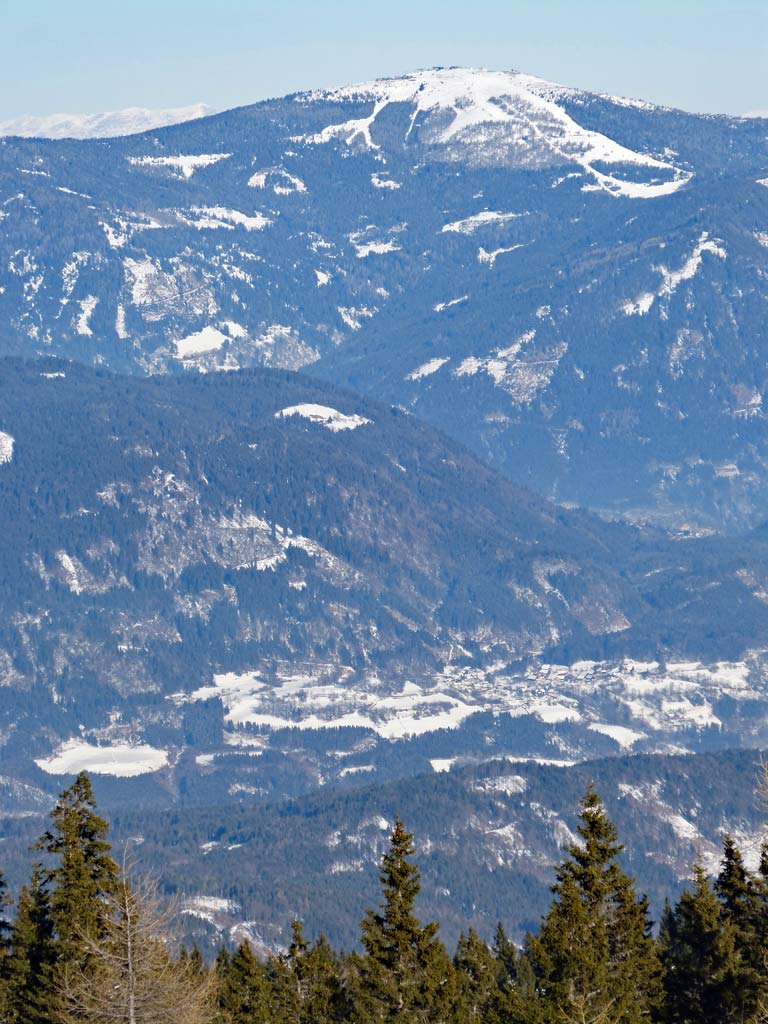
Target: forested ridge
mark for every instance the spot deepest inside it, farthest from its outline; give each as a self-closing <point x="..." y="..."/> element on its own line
<point x="88" y="941"/>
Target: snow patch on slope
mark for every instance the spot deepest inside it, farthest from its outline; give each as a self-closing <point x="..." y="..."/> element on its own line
<point x="279" y="180"/>
<point x="469" y="225"/>
<point x="387" y="183"/>
<point x="330" y="418"/>
<point x="672" y="279"/>
<point x="440" y="306"/>
<point x="182" y="166"/>
<point x="212" y="217"/>
<point x="6" y="447"/>
<point x="428" y="368"/>
<point x="87" y="306"/>
<point x="519" y="370"/>
<point x="209" y="339"/>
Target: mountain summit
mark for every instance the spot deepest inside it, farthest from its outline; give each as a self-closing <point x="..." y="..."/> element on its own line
<point x="495" y="119"/>
<point x="573" y="285"/>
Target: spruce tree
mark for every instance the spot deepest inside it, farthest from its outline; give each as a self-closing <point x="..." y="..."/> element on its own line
<point x="84" y="872"/>
<point x="477" y="971"/>
<point x="316" y="973"/>
<point x="5" y="942"/>
<point x="30" y="996"/>
<point x="244" y="992"/>
<point x="741" y="905"/>
<point x="698" y="949"/>
<point x="406" y="974"/>
<point x="594" y="958"/>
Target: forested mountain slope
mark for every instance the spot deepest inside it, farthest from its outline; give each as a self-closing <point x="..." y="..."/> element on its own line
<point x="257" y="583"/>
<point x="573" y="285"/>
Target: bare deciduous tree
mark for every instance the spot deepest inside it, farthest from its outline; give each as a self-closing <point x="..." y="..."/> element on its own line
<point x="128" y="975"/>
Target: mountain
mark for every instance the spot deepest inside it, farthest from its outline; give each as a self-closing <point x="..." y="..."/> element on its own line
<point x="572" y="285"/>
<point x="487" y="836"/>
<point x="255" y="583"/>
<point x="101" y="126"/>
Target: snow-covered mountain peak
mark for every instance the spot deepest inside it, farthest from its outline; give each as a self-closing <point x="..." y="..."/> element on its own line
<point x="496" y="118"/>
<point x="130" y="121"/>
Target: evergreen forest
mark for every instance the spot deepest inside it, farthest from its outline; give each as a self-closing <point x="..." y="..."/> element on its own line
<point x="89" y="940"/>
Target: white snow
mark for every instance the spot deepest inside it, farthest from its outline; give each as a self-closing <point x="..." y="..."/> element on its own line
<point x="282" y="183"/>
<point x="209" y="908"/>
<point x="122" y="759"/>
<point x="330" y="418"/>
<point x="672" y="279"/>
<point x="428" y="368"/>
<point x="378" y="182"/>
<point x="484" y="256"/>
<point x="620" y="733"/>
<point x="469" y="225"/>
<point x="510" y="785"/>
<point x="183" y="166"/>
<point x="356" y="769"/>
<point x="102" y="126"/>
<point x="642" y="304"/>
<point x="554" y="712"/>
<point x="520" y="369"/>
<point x="6" y="447"/>
<point x="496" y="118"/>
<point x="352" y="315"/>
<point x="209" y="339"/>
<point x="87" y="306"/>
<point x="71" y="571"/>
<point x="442" y="764"/>
<point x="234" y="329"/>
<point x="376" y="248"/>
<point x="213" y="217"/>
<point x="440" y="306"/>
<point x="323" y="278"/>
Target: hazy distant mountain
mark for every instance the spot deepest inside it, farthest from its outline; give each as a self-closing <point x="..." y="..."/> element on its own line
<point x="101" y="126"/>
<point x="573" y="285"/>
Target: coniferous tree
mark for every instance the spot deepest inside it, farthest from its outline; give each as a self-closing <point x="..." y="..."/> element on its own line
<point x="284" y="1005"/>
<point x="5" y="941"/>
<point x="477" y="971"/>
<point x="84" y="873"/>
<point x="31" y="959"/>
<point x="406" y="974"/>
<point x="594" y="958"/>
<point x="698" y="949"/>
<point x="739" y="895"/>
<point x="317" y="976"/>
<point x="244" y="992"/>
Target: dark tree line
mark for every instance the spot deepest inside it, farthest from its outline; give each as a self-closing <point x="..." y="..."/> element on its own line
<point x="86" y="945"/>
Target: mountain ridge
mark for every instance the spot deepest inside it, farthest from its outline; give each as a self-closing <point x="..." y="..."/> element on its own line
<point x="574" y="287"/>
<point x="129" y="121"/>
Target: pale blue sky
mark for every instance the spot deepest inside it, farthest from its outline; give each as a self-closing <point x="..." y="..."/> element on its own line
<point x="87" y="56"/>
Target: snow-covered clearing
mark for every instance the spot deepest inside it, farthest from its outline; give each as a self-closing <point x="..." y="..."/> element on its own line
<point x="121" y="759"/>
<point x="182" y="166"/>
<point x="330" y="418"/>
<point x="428" y="368"/>
<point x="209" y="339"/>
